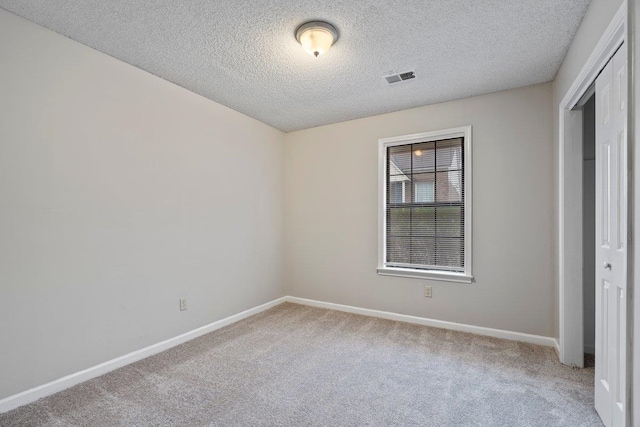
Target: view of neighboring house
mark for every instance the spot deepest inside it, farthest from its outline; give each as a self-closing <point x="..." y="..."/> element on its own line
<point x="425" y="211"/>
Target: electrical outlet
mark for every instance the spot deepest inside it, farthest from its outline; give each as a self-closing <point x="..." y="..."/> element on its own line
<point x="183" y="304"/>
<point x="427" y="291"/>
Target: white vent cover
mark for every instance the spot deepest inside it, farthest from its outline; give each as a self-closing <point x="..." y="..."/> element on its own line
<point x="400" y="77"/>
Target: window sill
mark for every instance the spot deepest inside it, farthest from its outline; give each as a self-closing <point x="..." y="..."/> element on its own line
<point x="422" y="274"/>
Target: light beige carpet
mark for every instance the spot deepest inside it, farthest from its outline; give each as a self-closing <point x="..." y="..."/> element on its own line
<point x="300" y="366"/>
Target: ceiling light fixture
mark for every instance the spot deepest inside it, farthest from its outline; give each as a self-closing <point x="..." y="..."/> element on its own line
<point x="316" y="37"/>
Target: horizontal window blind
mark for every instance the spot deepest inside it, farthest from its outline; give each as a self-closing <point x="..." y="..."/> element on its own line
<point x="425" y="205"/>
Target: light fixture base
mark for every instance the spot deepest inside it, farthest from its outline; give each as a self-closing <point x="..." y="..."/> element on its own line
<point x="317" y="24"/>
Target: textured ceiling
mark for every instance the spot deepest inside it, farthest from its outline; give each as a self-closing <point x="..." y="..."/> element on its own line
<point x="243" y="54"/>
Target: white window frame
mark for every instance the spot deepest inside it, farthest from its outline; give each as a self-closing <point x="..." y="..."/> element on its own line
<point x="383" y="144"/>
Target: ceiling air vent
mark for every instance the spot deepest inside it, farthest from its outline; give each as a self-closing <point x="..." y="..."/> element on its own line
<point x="396" y="78"/>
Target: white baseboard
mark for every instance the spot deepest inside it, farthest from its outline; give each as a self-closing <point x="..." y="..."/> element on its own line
<point x="478" y="330"/>
<point x="556" y="344"/>
<point x="63" y="383"/>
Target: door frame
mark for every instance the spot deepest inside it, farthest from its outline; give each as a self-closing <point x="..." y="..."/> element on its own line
<point x="570" y="316"/>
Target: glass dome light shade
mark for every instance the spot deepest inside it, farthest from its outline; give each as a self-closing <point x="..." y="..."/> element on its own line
<point x="316" y="37"/>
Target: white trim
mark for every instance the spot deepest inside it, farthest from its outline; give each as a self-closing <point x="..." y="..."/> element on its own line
<point x="461" y="327"/>
<point x="570" y="189"/>
<point x="426" y="136"/>
<point x="607" y="46"/>
<point x="586" y="96"/>
<point x="556" y="346"/>
<point x="68" y="381"/>
<point x="459" y="132"/>
<point x="444" y="276"/>
<point x="65" y="382"/>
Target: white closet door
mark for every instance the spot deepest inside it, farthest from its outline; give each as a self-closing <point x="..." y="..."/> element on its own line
<point x="611" y="240"/>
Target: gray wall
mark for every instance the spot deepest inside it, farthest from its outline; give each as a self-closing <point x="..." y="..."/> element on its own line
<point x="119" y="194"/>
<point x="332" y="213"/>
<point x="589" y="225"/>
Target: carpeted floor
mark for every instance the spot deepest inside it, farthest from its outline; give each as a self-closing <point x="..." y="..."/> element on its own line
<point x="300" y="366"/>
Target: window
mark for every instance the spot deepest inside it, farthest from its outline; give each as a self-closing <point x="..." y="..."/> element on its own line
<point x="425" y="205"/>
<point x="396" y="191"/>
<point x="425" y="191"/>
